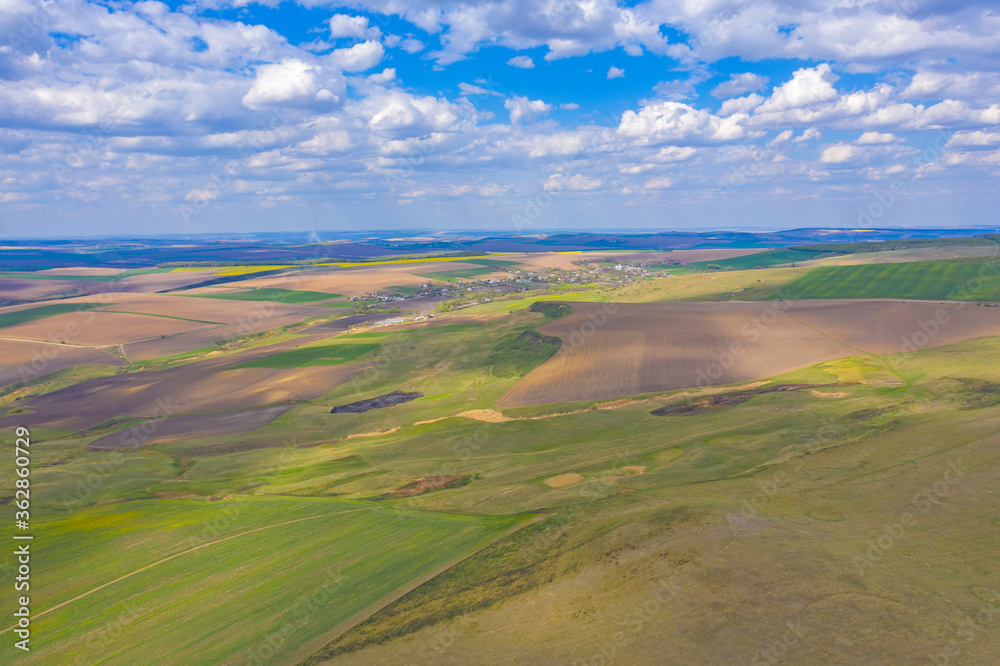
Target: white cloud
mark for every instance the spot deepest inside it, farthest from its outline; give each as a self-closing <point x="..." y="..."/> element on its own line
<point x="523" y="109"/>
<point x="411" y="45"/>
<point x="809" y="134"/>
<point x="739" y="84"/>
<point x="344" y="25"/>
<point x="807" y="87"/>
<point x="359" y="57"/>
<point x="974" y="138"/>
<point x="876" y="137"/>
<point x="839" y="153"/>
<point x="522" y="62"/>
<point x="577" y="182"/>
<point x="570" y="106"/>
<point x="740" y="104"/>
<point x="781" y="138"/>
<point x="387" y="75"/>
<point x="616" y="73"/>
<point x="469" y="89"/>
<point x="282" y="82"/>
<point x="660" y="183"/>
<point x="672" y="121"/>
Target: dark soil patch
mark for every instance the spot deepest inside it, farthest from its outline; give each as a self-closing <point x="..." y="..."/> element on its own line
<point x="979" y="393"/>
<point x="711" y="403"/>
<point x="429" y="484"/>
<point x="192" y="426"/>
<point x="382" y="401"/>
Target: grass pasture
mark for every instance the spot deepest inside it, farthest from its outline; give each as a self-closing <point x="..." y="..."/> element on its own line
<point x="590" y="525"/>
<point x="261" y="580"/>
<point x="923" y="280"/>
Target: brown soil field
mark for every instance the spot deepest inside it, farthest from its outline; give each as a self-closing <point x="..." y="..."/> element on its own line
<point x="565" y="260"/>
<point x="359" y="280"/>
<point x="181" y="343"/>
<point x="17" y="290"/>
<point x="38" y="358"/>
<point x="651" y="347"/>
<point x="204" y="386"/>
<point x="82" y="270"/>
<point x="98" y="329"/>
<point x="190" y="427"/>
<point x="153" y="282"/>
<point x="206" y="309"/>
<point x="886" y="327"/>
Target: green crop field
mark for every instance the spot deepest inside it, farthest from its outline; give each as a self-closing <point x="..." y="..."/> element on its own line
<point x="562" y="529"/>
<point x="333" y="353"/>
<point x="930" y="280"/>
<point x="41" y="312"/>
<point x="277" y="295"/>
<point x="250" y="581"/>
<point x="758" y="260"/>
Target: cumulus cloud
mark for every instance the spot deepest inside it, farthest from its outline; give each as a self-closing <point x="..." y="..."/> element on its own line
<point x="522" y="62"/>
<point x="660" y="183"/>
<point x="578" y="182"/>
<point x="359" y="57"/>
<point x="741" y="104"/>
<point x="838" y="153"/>
<point x="171" y="91"/>
<point x="523" y="109"/>
<point x="876" y="137"/>
<point x="344" y="25"/>
<point x="671" y="121"/>
<point x="974" y="138"/>
<point x="281" y="82"/>
<point x="739" y="84"/>
<point x="807" y="86"/>
<point x="616" y="73"/>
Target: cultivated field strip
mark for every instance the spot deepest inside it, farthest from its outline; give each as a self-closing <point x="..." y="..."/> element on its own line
<point x="650" y="347"/>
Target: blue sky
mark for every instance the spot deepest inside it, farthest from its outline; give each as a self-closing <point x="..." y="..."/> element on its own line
<point x="520" y="116"/>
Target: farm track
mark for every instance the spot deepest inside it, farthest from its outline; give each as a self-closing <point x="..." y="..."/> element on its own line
<point x="176" y="555"/>
<point x="367" y="612"/>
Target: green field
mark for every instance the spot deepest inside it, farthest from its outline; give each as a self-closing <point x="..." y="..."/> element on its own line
<point x="711" y="532"/>
<point x="927" y="280"/>
<point x="275" y="295"/>
<point x="344" y="348"/>
<point x="765" y="259"/>
<point x="41" y="312"/>
<point x="332" y="353"/>
<point x="248" y="579"/>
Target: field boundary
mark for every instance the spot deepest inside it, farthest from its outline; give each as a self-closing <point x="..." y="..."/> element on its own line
<point x="302" y="656"/>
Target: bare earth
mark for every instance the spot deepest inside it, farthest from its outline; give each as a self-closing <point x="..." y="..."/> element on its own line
<point x="194" y="426"/>
<point x="98" y="329"/>
<point x="204" y="386"/>
<point x="649" y="347"/>
<point x="36" y="358"/>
